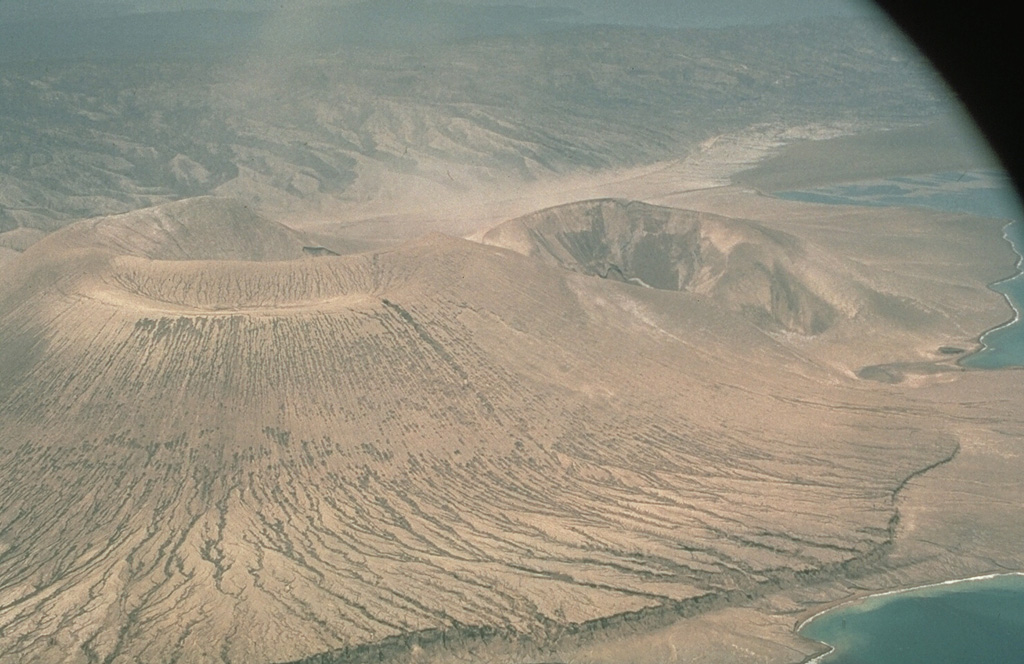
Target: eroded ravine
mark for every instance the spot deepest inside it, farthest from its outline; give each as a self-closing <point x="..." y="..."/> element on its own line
<point x="316" y="454"/>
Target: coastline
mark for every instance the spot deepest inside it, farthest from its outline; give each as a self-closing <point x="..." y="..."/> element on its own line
<point x="1009" y="211"/>
<point x="983" y="346"/>
<point x="866" y="595"/>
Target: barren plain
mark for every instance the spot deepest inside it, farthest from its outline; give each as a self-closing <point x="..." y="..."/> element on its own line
<point x="255" y="408"/>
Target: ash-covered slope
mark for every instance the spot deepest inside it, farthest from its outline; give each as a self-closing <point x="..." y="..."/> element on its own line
<point x="767" y="274"/>
<point x="205" y="228"/>
<point x="7" y="255"/>
<point x="234" y="460"/>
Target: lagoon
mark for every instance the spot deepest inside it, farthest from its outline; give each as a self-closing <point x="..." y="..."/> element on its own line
<point x="966" y="622"/>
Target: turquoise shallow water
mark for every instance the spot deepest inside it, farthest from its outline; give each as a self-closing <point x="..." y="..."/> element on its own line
<point x="1004" y="346"/>
<point x="985" y="193"/>
<point x="969" y="622"/>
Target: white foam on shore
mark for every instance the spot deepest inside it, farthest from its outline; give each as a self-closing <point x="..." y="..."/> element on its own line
<point x="966" y="360"/>
<point x="1020" y="272"/>
<point x="856" y="600"/>
<point x="885" y="593"/>
<point x="822" y="656"/>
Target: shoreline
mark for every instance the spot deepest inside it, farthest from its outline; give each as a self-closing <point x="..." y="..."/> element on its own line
<point x="863" y="596"/>
<point x="981" y="346"/>
<point x="1009" y="301"/>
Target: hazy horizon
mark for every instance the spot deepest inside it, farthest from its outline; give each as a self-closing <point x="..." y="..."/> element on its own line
<point x="653" y="13"/>
<point x="58" y="29"/>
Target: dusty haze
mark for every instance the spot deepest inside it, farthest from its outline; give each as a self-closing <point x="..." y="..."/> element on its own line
<point x="471" y="332"/>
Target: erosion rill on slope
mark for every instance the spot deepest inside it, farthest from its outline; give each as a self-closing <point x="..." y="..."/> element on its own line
<point x="445" y="444"/>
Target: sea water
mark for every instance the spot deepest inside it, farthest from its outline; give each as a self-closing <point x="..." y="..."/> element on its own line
<point x="984" y="193"/>
<point x="1003" y="346"/>
<point x="977" y="621"/>
<point x="971" y="622"/>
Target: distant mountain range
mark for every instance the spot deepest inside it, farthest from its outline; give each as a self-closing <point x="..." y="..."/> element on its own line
<point x="306" y="123"/>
